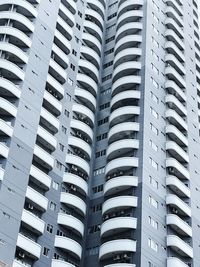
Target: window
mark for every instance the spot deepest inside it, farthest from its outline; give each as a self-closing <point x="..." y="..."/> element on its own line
<point x="70" y="81"/>
<point x="106" y="105"/>
<point x="154" y="97"/>
<point x="72" y="67"/>
<point x="64" y="129"/>
<point x="109" y="51"/>
<point x="154" y="83"/>
<point x="52" y="206"/>
<point x="101" y="153"/>
<point x="112" y="16"/>
<point x="154" y="129"/>
<point x="74" y="52"/>
<point x="153" y="163"/>
<point x="99" y="171"/>
<point x="154" y="55"/>
<point x="66" y="112"/>
<point x="97" y="188"/>
<point x="78" y="26"/>
<point x="154" y="113"/>
<point x="58" y="165"/>
<point x="154" y="42"/>
<point x="50" y="228"/>
<point x="80" y="14"/>
<point x="61" y="146"/>
<point x="55" y="185"/>
<point x="105" y="78"/>
<point x="153" y="202"/>
<point x="102" y="136"/>
<point x="153" y="145"/>
<point x="110" y="39"/>
<point x="152" y="244"/>
<point x="108" y="64"/>
<point x="96" y="208"/>
<point x="154" y="68"/>
<point x="153" y="182"/>
<point x="155" y="30"/>
<point x="105" y="120"/>
<point x="95" y="228"/>
<point x="152" y="222"/>
<point x="45" y="251"/>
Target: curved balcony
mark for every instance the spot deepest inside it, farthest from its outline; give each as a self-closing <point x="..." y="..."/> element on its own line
<point x="47" y="139"/>
<point x="128" y="42"/>
<point x="128" y="17"/>
<point x="4" y="150"/>
<point x="176" y="135"/>
<point x="82" y="128"/>
<point x="40" y="178"/>
<point x="84" y="111"/>
<point x="7" y="108"/>
<point x="91" y="55"/>
<point x="68" y="15"/>
<point x="130" y="95"/>
<point x="56" y="86"/>
<point x="79" y="143"/>
<point x="121" y="265"/>
<point x="122" y="130"/>
<point x="90" y="69"/>
<point x="173" y="25"/>
<point x="71" y="222"/>
<point x="177" y="169"/>
<point x="180" y="226"/>
<point x="173" y="75"/>
<point x="62" y="42"/>
<point x="125" y="83"/>
<point x="76" y="160"/>
<point x="123" y="113"/>
<point x="29" y="246"/>
<point x="61" y="56"/>
<point x="44" y="157"/>
<point x="93" y="29"/>
<point x="64" y="27"/>
<point x="128" y="29"/>
<point x="17" y="54"/>
<point x="119" y="183"/>
<point x="92" y="42"/>
<point x="69" y="245"/>
<point x="5" y="128"/>
<point x="116" y="246"/>
<point x="24" y="23"/>
<point x="74" y="201"/>
<point x="76" y="181"/>
<point x="95" y="17"/>
<point x="22" y="38"/>
<point x="121" y="163"/>
<point x="86" y="98"/>
<point x="121" y="147"/>
<point x="172" y="36"/>
<point x="173" y="49"/>
<point x="97" y="5"/>
<point x="179" y="205"/>
<point x="61" y="263"/>
<point x="29" y="9"/>
<point x="50" y="102"/>
<point x="115" y="225"/>
<point x="175" y="63"/>
<point x="179" y="246"/>
<point x="176" y="5"/>
<point x="176" y="119"/>
<point x="34" y="222"/>
<point x="57" y="71"/>
<point x="9" y="88"/>
<point x="178" y="187"/>
<point x="118" y="203"/>
<point x="87" y="82"/>
<point x="37" y="199"/>
<point x="172" y="261"/>
<point x="11" y="69"/>
<point x="172" y="13"/>
<point x="126" y="69"/>
<point x="176" y="151"/>
<point x="128" y="54"/>
<point x="126" y="5"/>
<point x="49" y="120"/>
<point x="174" y="89"/>
<point x="175" y="104"/>
<point x="1" y="174"/>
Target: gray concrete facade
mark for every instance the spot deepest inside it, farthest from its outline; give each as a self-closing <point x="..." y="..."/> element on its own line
<point x="99" y="133"/>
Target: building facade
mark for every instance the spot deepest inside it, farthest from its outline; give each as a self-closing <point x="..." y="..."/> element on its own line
<point x="99" y="133"/>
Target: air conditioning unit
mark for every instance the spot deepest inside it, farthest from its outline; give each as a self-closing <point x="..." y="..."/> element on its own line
<point x="171" y="169"/>
<point x="21" y="254"/>
<point x="174" y="210"/>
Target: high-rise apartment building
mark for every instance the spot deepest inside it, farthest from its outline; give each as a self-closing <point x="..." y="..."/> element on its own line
<point x="99" y="133"/>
